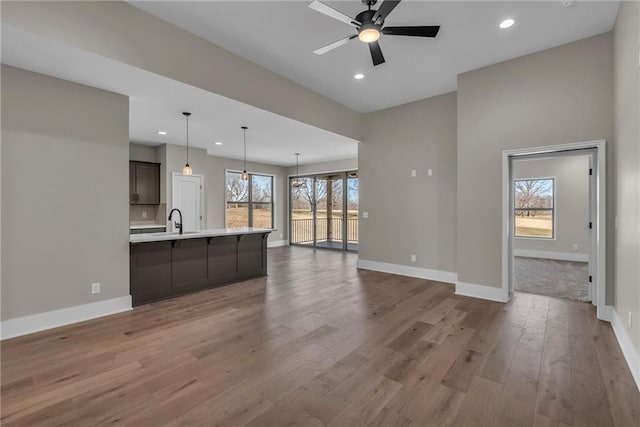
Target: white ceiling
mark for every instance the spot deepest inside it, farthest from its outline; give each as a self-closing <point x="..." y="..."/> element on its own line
<point x="157" y="103"/>
<point x="282" y="35"/>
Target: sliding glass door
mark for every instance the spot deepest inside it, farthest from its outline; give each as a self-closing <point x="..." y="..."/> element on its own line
<point x="324" y="211"/>
<point x="352" y="210"/>
<point x="302" y="211"/>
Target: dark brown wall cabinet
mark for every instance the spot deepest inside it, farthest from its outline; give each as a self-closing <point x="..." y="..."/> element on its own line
<point x="165" y="269"/>
<point x="144" y="183"/>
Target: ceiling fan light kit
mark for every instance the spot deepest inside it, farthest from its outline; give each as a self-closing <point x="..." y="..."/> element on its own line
<point x="369" y="33"/>
<point x="370" y="26"/>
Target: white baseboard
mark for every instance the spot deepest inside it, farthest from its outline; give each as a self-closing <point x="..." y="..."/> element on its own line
<point x="405" y="270"/>
<point x="560" y="256"/>
<point x="52" y="319"/>
<point x="482" y="292"/>
<point x="277" y="243"/>
<point x="606" y="313"/>
<point x="631" y="353"/>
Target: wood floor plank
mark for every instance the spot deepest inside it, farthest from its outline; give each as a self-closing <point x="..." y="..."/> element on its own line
<point x="319" y="342"/>
<point x="461" y="373"/>
<point x="479" y="405"/>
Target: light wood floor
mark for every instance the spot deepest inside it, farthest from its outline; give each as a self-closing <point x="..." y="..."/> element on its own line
<point x="320" y="343"/>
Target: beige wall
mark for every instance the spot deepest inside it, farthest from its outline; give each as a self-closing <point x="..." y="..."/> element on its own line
<point x="320" y="167"/>
<point x="410" y="215"/>
<point x="119" y="31"/>
<point x="627" y="167"/>
<point x="142" y="153"/>
<point x="65" y="151"/>
<point x="213" y="169"/>
<point x="571" y="175"/>
<point x="556" y="96"/>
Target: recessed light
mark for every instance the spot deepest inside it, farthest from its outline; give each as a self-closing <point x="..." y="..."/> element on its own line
<point x="507" y="23"/>
<point x="218" y="143"/>
<point x="162" y="132"/>
<point x="359" y="76"/>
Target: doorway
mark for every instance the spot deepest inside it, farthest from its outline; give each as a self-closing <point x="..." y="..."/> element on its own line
<point x="324" y="210"/>
<point x="187" y="195"/>
<point x="554" y="222"/>
<point x="551" y="236"/>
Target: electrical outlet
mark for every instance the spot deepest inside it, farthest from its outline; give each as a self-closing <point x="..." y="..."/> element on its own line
<point x="630" y="320"/>
<point x="281" y="235"/>
<point x="575" y="246"/>
<point x="414" y="173"/>
<point x="413" y="258"/>
<point x="365" y="214"/>
<point x="430" y="172"/>
<point x="95" y="288"/>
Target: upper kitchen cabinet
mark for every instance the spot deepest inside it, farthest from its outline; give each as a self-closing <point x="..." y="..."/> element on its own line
<point x="144" y="183"/>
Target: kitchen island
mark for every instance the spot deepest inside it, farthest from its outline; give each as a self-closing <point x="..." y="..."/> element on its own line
<point x="165" y="265"/>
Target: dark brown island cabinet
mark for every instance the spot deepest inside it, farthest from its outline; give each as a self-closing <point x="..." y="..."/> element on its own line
<point x="144" y="183"/>
<point x="169" y="266"/>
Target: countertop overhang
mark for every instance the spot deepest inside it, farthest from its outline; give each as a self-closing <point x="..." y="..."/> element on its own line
<point x="146" y="226"/>
<point x="220" y="232"/>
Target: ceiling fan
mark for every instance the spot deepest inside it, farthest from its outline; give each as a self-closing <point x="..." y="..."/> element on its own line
<point x="370" y="25"/>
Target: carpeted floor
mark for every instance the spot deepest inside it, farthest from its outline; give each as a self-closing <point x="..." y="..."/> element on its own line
<point x="562" y="279"/>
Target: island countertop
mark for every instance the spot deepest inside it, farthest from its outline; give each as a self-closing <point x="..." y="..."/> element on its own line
<point x="217" y="232"/>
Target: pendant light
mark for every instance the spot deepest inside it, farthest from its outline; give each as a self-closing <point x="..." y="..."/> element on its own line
<point x="186" y="170"/>
<point x="296" y="181"/>
<point x="245" y="175"/>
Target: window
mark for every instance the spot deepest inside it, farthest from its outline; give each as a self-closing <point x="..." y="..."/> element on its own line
<point x="249" y="203"/>
<point x="533" y="210"/>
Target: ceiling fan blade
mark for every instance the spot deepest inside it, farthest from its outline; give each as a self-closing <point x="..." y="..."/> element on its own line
<point x="376" y="53"/>
<point x="425" y="31"/>
<point x="385" y="9"/>
<point x="335" y="14"/>
<point x="334" y="45"/>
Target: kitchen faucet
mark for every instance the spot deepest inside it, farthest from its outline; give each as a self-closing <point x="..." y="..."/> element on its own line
<point x="177" y="224"/>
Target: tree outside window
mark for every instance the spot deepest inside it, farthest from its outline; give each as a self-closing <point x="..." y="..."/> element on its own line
<point x="534" y="208"/>
<point x="249" y="203"/>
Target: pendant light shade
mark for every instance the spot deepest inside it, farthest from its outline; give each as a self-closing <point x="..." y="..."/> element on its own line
<point x="245" y="175"/>
<point x="297" y="182"/>
<point x="187" y="170"/>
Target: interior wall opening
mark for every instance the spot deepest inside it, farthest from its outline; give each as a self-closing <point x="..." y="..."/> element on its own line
<point x="597" y="223"/>
<point x="552" y="212"/>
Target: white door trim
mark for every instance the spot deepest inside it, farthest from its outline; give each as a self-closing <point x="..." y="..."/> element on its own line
<point x="600" y="221"/>
<point x="174" y="176"/>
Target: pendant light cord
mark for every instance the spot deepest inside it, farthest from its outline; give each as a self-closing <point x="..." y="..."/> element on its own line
<point x="187" y="139"/>
<point x="244" y="128"/>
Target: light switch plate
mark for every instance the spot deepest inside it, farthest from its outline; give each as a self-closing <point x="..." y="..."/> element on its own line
<point x="95" y="288"/>
<point x="430" y="172"/>
<point x="365" y="214"/>
<point x="414" y="173"/>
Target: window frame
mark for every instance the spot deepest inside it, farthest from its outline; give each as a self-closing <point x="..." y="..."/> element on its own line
<point x="250" y="201"/>
<point x="553" y="209"/>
